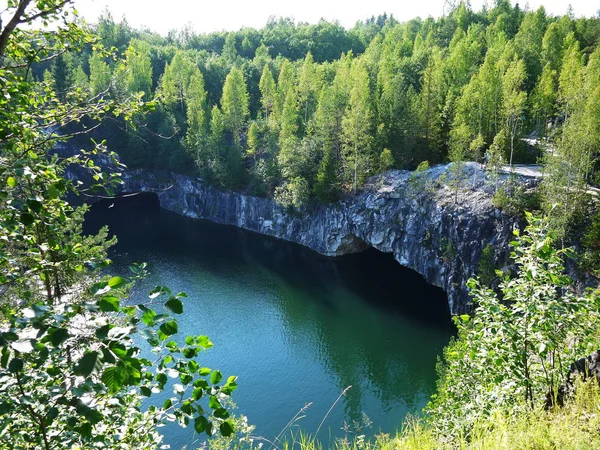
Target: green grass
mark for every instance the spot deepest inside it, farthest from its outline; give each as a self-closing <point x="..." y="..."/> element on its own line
<point x="572" y="427"/>
<point x="575" y="426"/>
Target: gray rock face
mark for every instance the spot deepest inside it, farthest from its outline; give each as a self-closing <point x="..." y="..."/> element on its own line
<point x="429" y="227"/>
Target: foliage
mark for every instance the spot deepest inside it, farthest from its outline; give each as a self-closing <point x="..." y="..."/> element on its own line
<point x="386" y="160"/>
<point x="571" y="428"/>
<point x="420" y="182"/>
<point x="328" y="102"/>
<point x="294" y="194"/>
<point x="590" y="259"/>
<point x="514" y="199"/>
<point x="447" y="250"/>
<point x="487" y="270"/>
<point x="72" y="374"/>
<point x="515" y="349"/>
<point x="67" y="369"/>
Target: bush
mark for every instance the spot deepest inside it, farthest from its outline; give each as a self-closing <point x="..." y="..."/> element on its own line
<point x="513" y="199"/>
<point x="516" y="347"/>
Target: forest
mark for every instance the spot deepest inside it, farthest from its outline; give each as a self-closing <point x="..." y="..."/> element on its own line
<point x="302" y="113"/>
<point x="306" y="112"/>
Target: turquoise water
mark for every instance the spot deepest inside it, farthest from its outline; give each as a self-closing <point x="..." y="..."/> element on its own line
<point x="296" y="328"/>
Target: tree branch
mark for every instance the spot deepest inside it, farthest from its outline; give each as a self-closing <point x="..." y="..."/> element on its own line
<point x="44" y="13"/>
<point x="12" y="24"/>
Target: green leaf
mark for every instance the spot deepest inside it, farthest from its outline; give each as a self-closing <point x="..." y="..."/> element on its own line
<point x="148" y="317"/>
<point x="226" y="428"/>
<point x="186" y="407"/>
<point x="100" y="288"/>
<point x="174" y="305"/>
<point x="118" y="349"/>
<point x="201" y="424"/>
<point x="158" y="291"/>
<point x="107" y="356"/>
<point x="221" y="413"/>
<point x="4" y="358"/>
<point x="117" y="282"/>
<point x="146" y="392"/>
<point x="26" y="219"/>
<point x="169" y="328"/>
<point x="109" y="303"/>
<point x="35" y="206"/>
<point x="92" y="415"/>
<point x="203" y="341"/>
<point x="190" y="352"/>
<point x="87" y="364"/>
<point x="102" y="332"/>
<point x="57" y="336"/>
<point x="52" y="414"/>
<point x="113" y="378"/>
<point x="213" y="402"/>
<point x="15" y="365"/>
<point x="197" y="393"/>
<point x="216" y="376"/>
<point x="193" y="366"/>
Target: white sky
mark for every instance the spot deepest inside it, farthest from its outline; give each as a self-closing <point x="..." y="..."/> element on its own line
<point x="215" y="15"/>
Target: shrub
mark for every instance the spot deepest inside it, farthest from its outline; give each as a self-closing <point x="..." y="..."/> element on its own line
<point x="516" y="347"/>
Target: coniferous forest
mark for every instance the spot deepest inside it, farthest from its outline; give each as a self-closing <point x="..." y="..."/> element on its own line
<point x="304" y="114"/>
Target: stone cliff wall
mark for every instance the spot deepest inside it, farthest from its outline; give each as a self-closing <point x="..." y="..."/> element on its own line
<point x="429" y="227"/>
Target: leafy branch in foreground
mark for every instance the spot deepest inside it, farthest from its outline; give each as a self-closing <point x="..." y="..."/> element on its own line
<point x="67" y="371"/>
<point x="515" y="350"/>
<point x="72" y="370"/>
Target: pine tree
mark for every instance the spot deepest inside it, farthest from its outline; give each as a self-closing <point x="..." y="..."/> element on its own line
<point x="431" y="100"/>
<point x="62" y="75"/>
<point x="513" y="101"/>
<point x="175" y="81"/>
<point x="100" y="74"/>
<point x="197" y="117"/>
<point x="268" y="92"/>
<point x="235" y="104"/>
<point x="357" y="126"/>
<point x="138" y="75"/>
<point x="289" y="157"/>
<point x="543" y="100"/>
<point x="284" y="82"/>
<point x="307" y="90"/>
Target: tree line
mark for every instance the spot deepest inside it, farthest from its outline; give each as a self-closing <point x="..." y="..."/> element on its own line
<point x="307" y="112"/>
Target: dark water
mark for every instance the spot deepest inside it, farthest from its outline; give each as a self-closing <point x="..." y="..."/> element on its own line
<point x="294" y="326"/>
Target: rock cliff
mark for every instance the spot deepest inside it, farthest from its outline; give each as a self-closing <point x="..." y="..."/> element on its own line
<point x="434" y="229"/>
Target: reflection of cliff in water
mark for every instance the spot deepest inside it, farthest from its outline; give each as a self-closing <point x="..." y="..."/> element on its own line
<point x="377" y="357"/>
<point x="331" y="293"/>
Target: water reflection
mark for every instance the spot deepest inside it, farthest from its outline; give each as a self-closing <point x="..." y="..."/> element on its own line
<point x="296" y="327"/>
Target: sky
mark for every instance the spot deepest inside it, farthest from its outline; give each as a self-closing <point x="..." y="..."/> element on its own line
<point x="231" y="15"/>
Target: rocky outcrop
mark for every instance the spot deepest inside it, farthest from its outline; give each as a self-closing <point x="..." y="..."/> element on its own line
<point x="432" y="228"/>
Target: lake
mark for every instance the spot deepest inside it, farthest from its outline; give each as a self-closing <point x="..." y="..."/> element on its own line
<point x="296" y="327"/>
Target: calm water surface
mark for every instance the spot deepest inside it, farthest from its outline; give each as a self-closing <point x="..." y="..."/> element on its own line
<point x="294" y="326"/>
